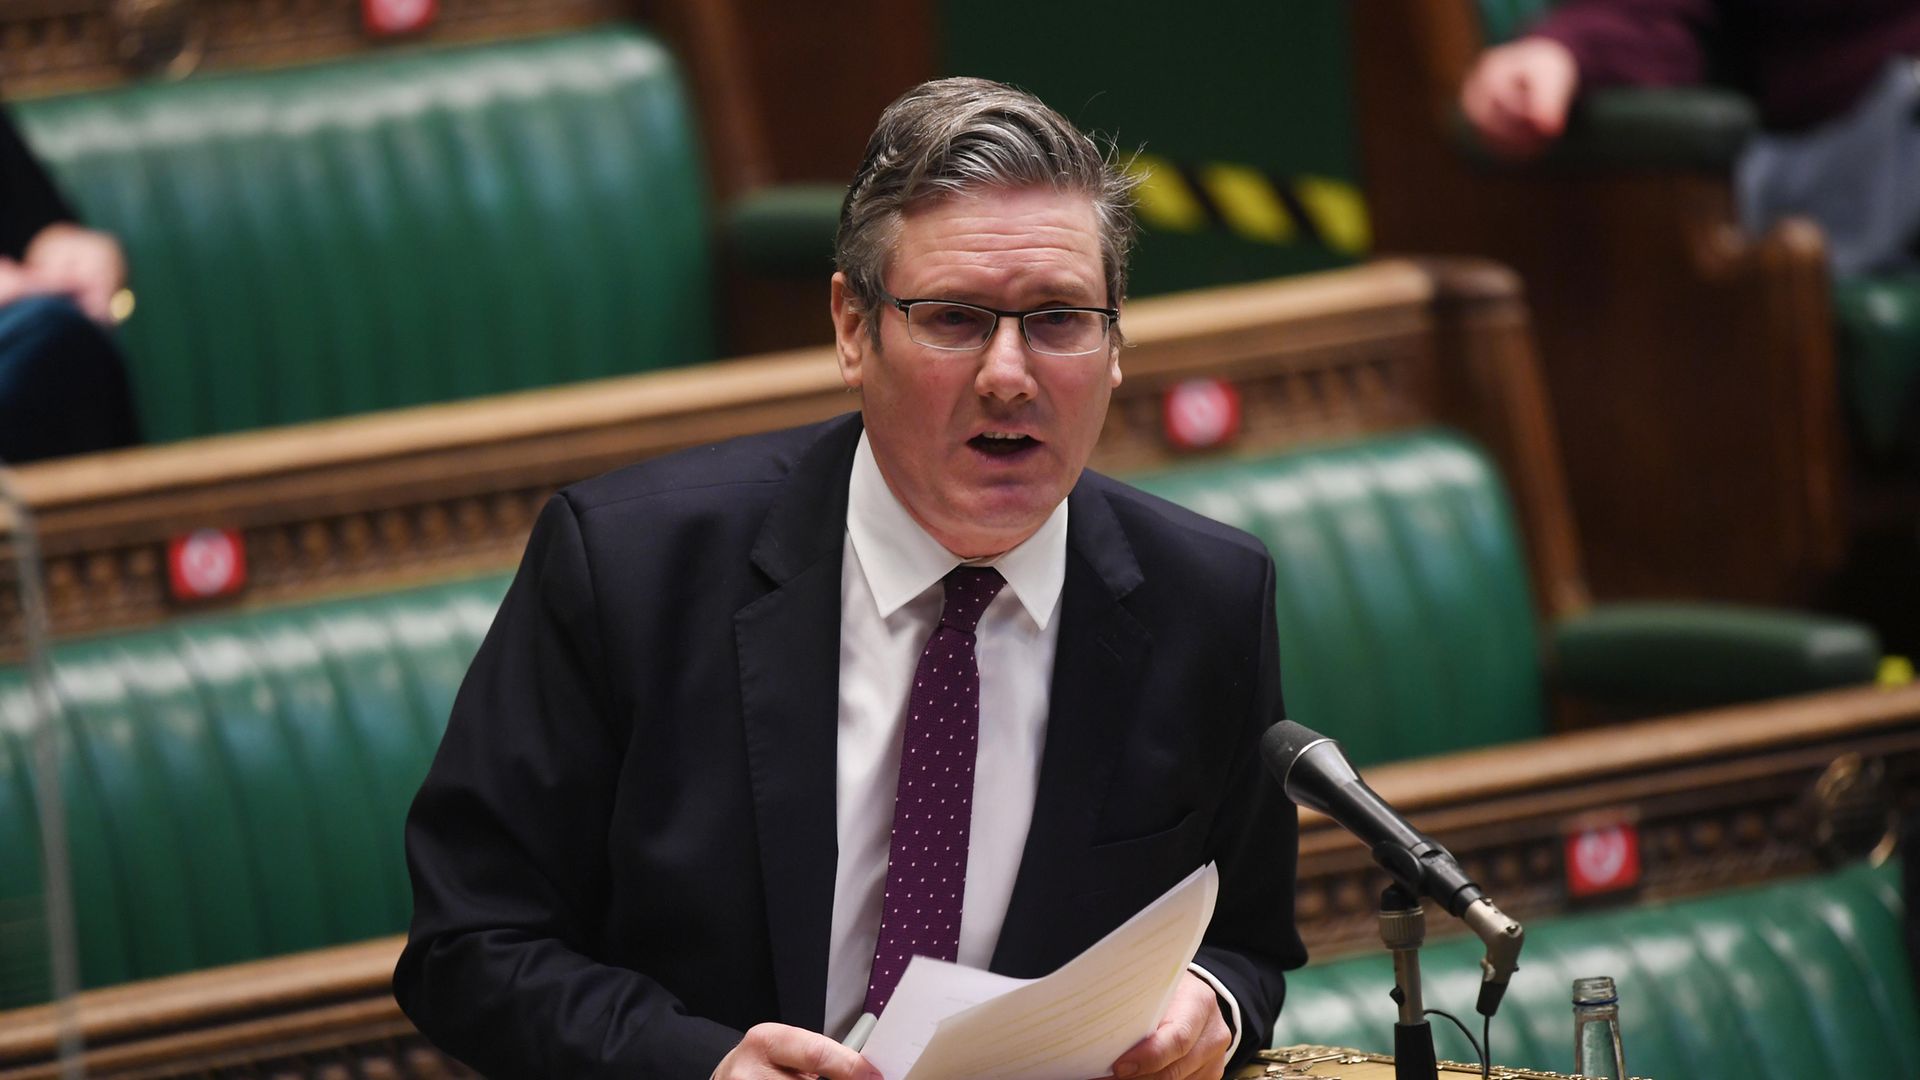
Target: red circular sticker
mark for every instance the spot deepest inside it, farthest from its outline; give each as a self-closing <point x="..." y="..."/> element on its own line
<point x="1200" y="414"/>
<point x="397" y="16"/>
<point x="206" y="562"/>
<point x="1603" y="859"/>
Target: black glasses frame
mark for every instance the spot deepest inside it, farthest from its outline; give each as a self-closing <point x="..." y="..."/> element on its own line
<point x="1112" y="314"/>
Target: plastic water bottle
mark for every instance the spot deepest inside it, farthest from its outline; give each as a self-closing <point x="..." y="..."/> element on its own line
<point x="1596" y="1030"/>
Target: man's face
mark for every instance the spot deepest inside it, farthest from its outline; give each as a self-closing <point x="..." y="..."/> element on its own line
<point x="933" y="415"/>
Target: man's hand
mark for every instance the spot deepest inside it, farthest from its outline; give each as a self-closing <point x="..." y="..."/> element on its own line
<point x="1518" y="94"/>
<point x="776" y="1050"/>
<point x="1192" y="1039"/>
<point x="82" y="263"/>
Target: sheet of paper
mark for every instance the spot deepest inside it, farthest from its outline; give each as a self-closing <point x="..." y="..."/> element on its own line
<point x="945" y="1021"/>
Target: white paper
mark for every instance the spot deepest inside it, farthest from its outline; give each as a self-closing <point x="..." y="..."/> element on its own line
<point x="947" y="1021"/>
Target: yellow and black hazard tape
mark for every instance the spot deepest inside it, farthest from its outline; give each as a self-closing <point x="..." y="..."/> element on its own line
<point x="1252" y="203"/>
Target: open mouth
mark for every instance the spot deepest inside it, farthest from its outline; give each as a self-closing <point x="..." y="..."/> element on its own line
<point x="1002" y="445"/>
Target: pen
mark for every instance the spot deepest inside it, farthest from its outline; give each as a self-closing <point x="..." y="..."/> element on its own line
<point x="863" y="1027"/>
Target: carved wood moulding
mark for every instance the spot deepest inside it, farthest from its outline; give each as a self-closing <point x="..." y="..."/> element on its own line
<point x="445" y="490"/>
<point x="1716" y="799"/>
<point x="1722" y="799"/>
<point x="51" y="46"/>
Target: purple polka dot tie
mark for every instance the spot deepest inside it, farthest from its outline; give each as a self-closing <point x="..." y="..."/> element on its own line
<point x="933" y="805"/>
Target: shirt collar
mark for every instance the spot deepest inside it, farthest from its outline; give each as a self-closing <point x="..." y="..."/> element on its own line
<point x="901" y="561"/>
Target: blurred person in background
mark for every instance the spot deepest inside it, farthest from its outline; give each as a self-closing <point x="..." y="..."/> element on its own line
<point x="1836" y="83"/>
<point x="63" y="388"/>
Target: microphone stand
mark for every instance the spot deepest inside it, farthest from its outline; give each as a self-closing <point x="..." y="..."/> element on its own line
<point x="1403" y="927"/>
<point x="43" y="711"/>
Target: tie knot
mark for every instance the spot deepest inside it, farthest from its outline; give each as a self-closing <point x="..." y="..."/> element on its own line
<point x="969" y="590"/>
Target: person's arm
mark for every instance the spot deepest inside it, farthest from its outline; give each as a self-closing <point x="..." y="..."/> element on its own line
<point x="1251" y="941"/>
<point x="506" y="846"/>
<point x="1518" y="94"/>
<point x="42" y="247"/>
<point x="1633" y="42"/>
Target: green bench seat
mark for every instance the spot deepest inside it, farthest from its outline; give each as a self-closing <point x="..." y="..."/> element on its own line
<point x="236" y="785"/>
<point x="1406" y="625"/>
<point x="411" y="226"/>
<point x="1797" y="979"/>
<point x="1397" y="557"/>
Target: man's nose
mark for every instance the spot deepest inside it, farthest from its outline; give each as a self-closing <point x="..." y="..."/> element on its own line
<point x="1005" y="364"/>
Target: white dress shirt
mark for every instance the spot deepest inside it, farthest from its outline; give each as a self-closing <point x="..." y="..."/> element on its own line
<point x="890" y="601"/>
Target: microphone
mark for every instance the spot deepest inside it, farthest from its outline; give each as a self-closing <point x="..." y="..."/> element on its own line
<point x="1316" y="774"/>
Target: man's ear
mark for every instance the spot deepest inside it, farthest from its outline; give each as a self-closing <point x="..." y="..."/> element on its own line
<point x="851" y="338"/>
<point x="1113" y="347"/>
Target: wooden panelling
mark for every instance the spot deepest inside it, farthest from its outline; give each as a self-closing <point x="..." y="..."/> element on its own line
<point x="1691" y="368"/>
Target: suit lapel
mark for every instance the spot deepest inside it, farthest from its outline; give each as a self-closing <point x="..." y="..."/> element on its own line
<point x="789" y="647"/>
<point x="1102" y="653"/>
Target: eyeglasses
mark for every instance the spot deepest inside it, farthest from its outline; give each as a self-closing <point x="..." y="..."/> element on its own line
<point x="1054" y="331"/>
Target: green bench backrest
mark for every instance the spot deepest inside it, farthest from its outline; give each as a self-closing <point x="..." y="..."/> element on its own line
<point x="1798" y="979"/>
<point x="1406" y="627"/>
<point x="1502" y="20"/>
<point x="236" y="784"/>
<point x="408" y="227"/>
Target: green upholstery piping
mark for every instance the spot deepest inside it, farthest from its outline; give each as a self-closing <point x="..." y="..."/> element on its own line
<point x="1675" y="656"/>
<point x="236" y="782"/>
<point x="1879" y="335"/>
<point x="1795" y="979"/>
<point x="785" y="230"/>
<point x="397" y="229"/>
<point x="1406" y="627"/>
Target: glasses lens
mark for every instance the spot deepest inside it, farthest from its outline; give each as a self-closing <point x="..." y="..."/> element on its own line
<point x="1066" y="333"/>
<point x="949" y="326"/>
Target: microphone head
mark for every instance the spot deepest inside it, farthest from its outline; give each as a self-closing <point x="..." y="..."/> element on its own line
<point x="1284" y="741"/>
<point x="1307" y="764"/>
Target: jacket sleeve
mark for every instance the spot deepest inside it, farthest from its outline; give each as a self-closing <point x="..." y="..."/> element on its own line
<point x="506" y="846"/>
<point x="1252" y="939"/>
<point x="1634" y="42"/>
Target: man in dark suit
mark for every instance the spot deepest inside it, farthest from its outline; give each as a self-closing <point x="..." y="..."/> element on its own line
<point x="758" y="721"/>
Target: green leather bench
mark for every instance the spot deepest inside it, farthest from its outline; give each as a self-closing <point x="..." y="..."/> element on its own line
<point x="238" y="781"/>
<point x="412" y="226"/>
<point x="236" y="784"/>
<point x="1798" y="979"/>
<point x="1405" y="622"/>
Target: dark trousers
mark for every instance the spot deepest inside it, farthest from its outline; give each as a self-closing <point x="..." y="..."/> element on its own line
<point x="63" y="388"/>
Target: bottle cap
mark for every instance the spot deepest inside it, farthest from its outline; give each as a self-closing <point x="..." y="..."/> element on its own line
<point x="1596" y="990"/>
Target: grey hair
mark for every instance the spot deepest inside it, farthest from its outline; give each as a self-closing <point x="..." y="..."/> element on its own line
<point x="964" y="135"/>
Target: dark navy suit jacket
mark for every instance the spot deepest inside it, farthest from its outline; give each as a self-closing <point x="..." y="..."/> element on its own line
<point x="623" y="854"/>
